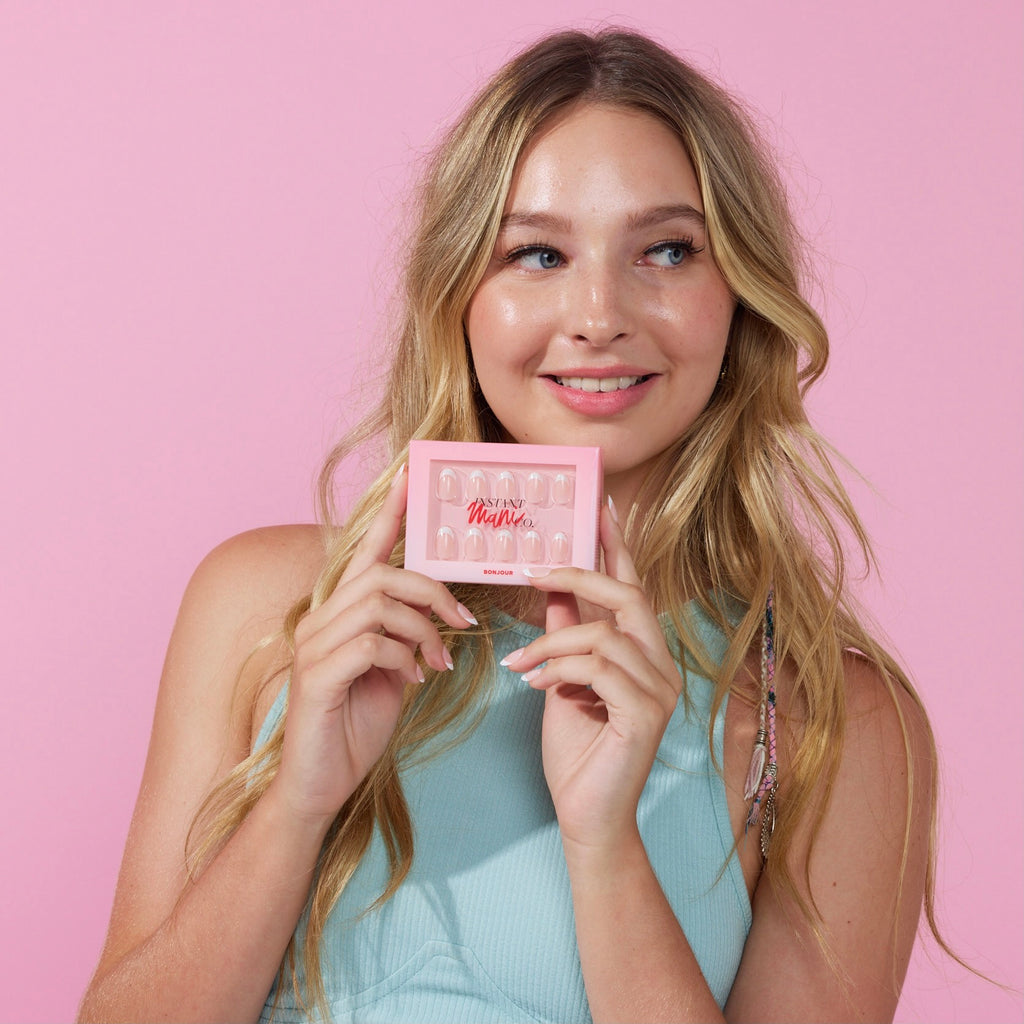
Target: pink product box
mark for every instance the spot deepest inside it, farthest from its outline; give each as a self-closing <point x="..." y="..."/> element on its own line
<point x="481" y="513"/>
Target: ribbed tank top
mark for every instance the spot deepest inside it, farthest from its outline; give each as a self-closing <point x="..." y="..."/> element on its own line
<point x="482" y="928"/>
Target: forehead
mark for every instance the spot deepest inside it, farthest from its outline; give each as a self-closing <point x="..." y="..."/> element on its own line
<point x="595" y="154"/>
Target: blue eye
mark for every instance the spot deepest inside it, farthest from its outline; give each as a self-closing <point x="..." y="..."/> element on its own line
<point x="535" y="257"/>
<point x="671" y="254"/>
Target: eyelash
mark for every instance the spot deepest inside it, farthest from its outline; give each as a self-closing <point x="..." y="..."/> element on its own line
<point x="528" y="250"/>
<point x="686" y="244"/>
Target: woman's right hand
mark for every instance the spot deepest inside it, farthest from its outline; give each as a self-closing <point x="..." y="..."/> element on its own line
<point x="354" y="656"/>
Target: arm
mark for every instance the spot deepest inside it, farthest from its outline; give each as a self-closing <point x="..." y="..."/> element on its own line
<point x="637" y="963"/>
<point x="869" y="901"/>
<point x="156" y="962"/>
<point x="214" y="952"/>
<point x="610" y="688"/>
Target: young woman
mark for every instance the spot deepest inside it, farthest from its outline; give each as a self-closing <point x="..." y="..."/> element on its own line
<point x="449" y="802"/>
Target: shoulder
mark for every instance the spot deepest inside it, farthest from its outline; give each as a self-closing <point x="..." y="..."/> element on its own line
<point x="237" y="597"/>
<point x="883" y="752"/>
<point x="262" y="571"/>
<point x="887" y="729"/>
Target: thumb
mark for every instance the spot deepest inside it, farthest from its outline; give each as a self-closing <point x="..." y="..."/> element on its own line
<point x="562" y="611"/>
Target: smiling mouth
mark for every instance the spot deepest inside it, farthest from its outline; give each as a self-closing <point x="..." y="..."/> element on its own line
<point x="596" y="384"/>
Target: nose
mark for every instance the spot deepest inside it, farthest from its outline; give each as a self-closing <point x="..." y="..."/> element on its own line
<point x="599" y="307"/>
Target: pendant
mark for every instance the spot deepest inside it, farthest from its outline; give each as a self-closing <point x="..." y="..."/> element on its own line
<point x="756" y="771"/>
<point x="768" y="823"/>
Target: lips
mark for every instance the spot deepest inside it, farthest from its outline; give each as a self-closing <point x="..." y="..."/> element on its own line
<point x="600" y="395"/>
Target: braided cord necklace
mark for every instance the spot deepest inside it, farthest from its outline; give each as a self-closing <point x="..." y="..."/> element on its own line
<point x="763" y="771"/>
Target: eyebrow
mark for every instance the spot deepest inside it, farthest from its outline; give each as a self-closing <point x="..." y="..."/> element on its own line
<point x="660" y="214"/>
<point x="635" y="221"/>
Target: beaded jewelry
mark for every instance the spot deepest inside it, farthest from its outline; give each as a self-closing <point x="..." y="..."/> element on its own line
<point x="760" y="785"/>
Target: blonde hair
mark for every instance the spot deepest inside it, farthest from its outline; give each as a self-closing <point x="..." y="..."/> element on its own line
<point x="746" y="500"/>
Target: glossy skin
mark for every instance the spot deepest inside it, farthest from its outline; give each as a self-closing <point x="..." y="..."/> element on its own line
<point x="597" y="302"/>
<point x="601" y="270"/>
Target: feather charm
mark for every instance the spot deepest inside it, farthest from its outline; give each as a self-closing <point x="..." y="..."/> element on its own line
<point x="756" y="771"/>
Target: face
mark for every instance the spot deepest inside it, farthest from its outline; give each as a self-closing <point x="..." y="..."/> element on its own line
<point x="602" y="318"/>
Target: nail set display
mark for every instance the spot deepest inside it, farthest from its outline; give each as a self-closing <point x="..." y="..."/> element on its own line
<point x="481" y="512"/>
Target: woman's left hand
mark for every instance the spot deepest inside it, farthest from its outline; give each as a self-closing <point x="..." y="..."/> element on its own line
<point x="611" y="687"/>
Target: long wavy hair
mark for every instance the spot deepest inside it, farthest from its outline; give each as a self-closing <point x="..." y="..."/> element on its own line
<point x="746" y="500"/>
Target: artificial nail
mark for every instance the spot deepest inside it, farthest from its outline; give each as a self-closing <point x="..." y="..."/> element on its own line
<point x="613" y="510"/>
<point x="506" y="485"/>
<point x="476" y="486"/>
<point x="533" y="546"/>
<point x="504" y="546"/>
<point x="513" y="656"/>
<point x="445" y="543"/>
<point x="476" y="548"/>
<point x="535" y="489"/>
<point x="447" y="485"/>
<point x="561" y="490"/>
<point x="560" y="550"/>
<point x="467" y="614"/>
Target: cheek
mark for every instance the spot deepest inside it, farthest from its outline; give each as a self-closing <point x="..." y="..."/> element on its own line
<point x="504" y="331"/>
<point x="495" y="310"/>
<point x="712" y="321"/>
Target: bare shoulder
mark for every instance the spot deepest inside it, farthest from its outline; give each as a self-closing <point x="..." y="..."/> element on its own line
<point x="257" y="574"/>
<point x="236" y="600"/>
<point x="887" y="729"/>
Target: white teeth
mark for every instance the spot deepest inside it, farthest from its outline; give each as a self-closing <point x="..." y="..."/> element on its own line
<point x="594" y="384"/>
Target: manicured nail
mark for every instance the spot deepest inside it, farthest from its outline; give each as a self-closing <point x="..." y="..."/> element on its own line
<point x="419" y="674"/>
<point x="536" y="572"/>
<point x="613" y="510"/>
<point x="397" y="479"/>
<point x="528" y="677"/>
<point x="509" y="658"/>
<point x="447" y="655"/>
<point x="467" y="614"/>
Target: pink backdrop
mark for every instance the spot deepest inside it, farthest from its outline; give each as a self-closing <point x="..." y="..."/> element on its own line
<point x="198" y="205"/>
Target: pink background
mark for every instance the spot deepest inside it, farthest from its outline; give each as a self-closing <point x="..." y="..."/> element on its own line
<point x="198" y="213"/>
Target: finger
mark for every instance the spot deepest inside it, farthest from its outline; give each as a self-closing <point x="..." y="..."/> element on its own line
<point x="625" y="600"/>
<point x="618" y="562"/>
<point x="561" y="611"/>
<point x="378" y="613"/>
<point x="414" y="589"/>
<point x="602" y="642"/>
<point x="379" y="540"/>
<point x="332" y="675"/>
<point x="624" y="700"/>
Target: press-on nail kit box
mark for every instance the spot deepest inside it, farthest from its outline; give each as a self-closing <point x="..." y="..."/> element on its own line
<point x="481" y="513"/>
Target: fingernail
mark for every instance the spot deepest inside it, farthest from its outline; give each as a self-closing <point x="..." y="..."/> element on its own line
<point x="419" y="674"/>
<point x="467" y="614"/>
<point x="398" y="476"/>
<point x="509" y="658"/>
<point x="613" y="510"/>
<point x="448" y="659"/>
<point x="536" y="572"/>
<point x="528" y="677"/>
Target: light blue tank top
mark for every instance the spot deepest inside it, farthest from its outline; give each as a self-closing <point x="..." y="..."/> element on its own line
<point x="482" y="928"/>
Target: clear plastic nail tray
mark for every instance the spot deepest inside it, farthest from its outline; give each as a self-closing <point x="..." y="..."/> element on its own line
<point x="481" y="513"/>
